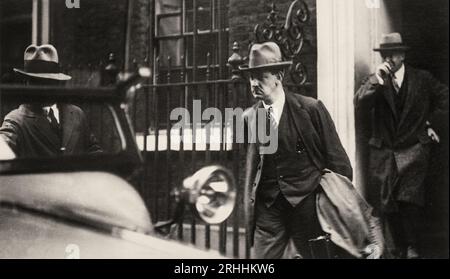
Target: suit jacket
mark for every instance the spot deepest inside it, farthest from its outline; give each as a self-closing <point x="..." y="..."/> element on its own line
<point x="318" y="133"/>
<point x="399" y="143"/>
<point x="29" y="134"/>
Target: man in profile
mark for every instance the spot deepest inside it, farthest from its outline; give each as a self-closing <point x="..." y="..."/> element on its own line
<point x="284" y="179"/>
<point x="46" y="129"/>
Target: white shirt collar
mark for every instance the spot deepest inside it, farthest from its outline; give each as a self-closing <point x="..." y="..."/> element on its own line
<point x="400" y="75"/>
<point x="54" y="107"/>
<point x="277" y="107"/>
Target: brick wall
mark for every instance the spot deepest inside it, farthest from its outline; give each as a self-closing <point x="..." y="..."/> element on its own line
<point x="84" y="37"/>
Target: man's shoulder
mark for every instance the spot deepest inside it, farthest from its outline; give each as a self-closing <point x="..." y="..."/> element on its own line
<point x="305" y="102"/>
<point x="418" y="73"/>
<point x="73" y="108"/>
<point x="15" y="115"/>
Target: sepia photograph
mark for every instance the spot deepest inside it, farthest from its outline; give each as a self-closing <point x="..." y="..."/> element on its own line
<point x="224" y="129"/>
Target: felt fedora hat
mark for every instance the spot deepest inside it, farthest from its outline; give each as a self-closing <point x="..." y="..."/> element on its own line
<point x="391" y="41"/>
<point x="42" y="62"/>
<point x="263" y="56"/>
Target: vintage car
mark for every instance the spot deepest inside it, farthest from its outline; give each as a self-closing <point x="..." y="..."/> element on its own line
<point x="84" y="206"/>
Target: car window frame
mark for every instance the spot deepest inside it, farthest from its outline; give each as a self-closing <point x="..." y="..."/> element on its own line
<point x="112" y="97"/>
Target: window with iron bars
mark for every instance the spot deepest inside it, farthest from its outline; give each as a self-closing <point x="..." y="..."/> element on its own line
<point x="190" y="45"/>
<point x="186" y="31"/>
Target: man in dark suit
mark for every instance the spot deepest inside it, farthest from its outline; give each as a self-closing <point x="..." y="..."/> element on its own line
<point x="43" y="130"/>
<point x="402" y="102"/>
<point x="282" y="179"/>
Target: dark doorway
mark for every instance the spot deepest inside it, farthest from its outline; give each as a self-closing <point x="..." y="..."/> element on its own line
<point x="425" y="29"/>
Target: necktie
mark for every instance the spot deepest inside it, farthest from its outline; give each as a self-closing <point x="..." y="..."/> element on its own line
<point x="54" y="123"/>
<point x="271" y="122"/>
<point x="395" y="84"/>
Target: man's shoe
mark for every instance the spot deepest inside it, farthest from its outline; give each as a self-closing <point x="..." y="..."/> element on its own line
<point x="411" y="253"/>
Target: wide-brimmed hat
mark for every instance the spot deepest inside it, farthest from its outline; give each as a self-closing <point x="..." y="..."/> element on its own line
<point x="265" y="56"/>
<point x="42" y="62"/>
<point x="391" y="41"/>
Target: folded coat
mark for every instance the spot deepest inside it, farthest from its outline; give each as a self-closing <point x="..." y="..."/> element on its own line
<point x="347" y="217"/>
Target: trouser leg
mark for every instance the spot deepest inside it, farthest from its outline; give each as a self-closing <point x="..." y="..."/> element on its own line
<point x="404" y="226"/>
<point x="393" y="231"/>
<point x="410" y="216"/>
<point x="270" y="233"/>
<point x="305" y="225"/>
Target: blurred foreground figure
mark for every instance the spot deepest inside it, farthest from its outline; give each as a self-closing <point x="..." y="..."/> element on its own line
<point x="46" y="129"/>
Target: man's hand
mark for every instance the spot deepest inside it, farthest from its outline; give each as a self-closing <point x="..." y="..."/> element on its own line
<point x="433" y="135"/>
<point x="382" y="71"/>
<point x="6" y="152"/>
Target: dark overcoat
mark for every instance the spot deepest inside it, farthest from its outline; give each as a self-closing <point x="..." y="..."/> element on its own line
<point x="315" y="128"/>
<point x="399" y="144"/>
<point x="29" y="134"/>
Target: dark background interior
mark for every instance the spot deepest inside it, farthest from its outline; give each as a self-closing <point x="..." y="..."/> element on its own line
<point x="425" y="29"/>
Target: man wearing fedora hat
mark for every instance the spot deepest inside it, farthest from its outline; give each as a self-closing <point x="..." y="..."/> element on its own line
<point x="41" y="129"/>
<point x="402" y="102"/>
<point x="281" y="184"/>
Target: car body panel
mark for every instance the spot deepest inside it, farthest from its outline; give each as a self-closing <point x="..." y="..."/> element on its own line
<point x="28" y="235"/>
<point x="96" y="198"/>
<point x="79" y="214"/>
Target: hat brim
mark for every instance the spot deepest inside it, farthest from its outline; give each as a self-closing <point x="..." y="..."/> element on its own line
<point x="54" y="76"/>
<point x="266" y="66"/>
<point x="392" y="48"/>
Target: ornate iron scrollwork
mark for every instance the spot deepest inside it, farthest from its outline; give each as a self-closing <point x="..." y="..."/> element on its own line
<point x="290" y="36"/>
